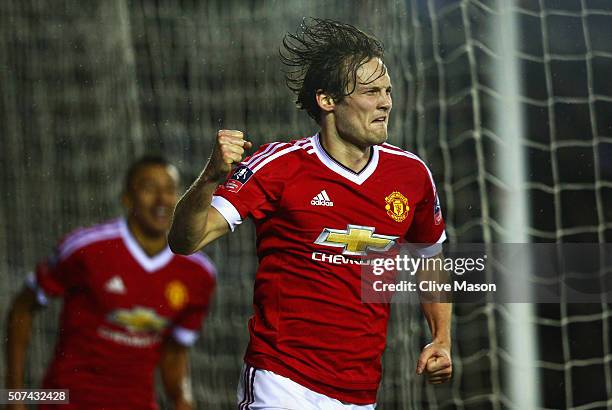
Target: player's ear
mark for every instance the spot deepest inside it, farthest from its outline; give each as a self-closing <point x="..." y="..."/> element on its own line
<point x="325" y="101"/>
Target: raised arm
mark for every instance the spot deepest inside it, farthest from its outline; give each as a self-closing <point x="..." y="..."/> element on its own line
<point x="195" y="223"/>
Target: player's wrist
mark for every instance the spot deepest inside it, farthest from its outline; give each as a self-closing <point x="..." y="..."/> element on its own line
<point x="444" y="342"/>
<point x="213" y="174"/>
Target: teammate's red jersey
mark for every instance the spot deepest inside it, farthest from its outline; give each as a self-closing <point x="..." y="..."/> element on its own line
<point x="119" y="305"/>
<point x="314" y="218"/>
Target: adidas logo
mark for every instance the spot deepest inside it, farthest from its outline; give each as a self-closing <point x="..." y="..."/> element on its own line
<point x="115" y="285"/>
<point x="322" y="199"/>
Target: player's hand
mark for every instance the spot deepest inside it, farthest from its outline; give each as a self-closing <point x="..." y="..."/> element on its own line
<point x="435" y="362"/>
<point x="228" y="150"/>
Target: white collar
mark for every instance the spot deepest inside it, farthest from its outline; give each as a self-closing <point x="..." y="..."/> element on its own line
<point x="329" y="162"/>
<point x="148" y="263"/>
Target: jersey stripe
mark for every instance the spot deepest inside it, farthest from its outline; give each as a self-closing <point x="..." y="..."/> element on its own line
<point x="275" y="150"/>
<point x="81" y="232"/>
<point x="273" y="147"/>
<point x="303" y="142"/>
<point x="87" y="237"/>
<point x="307" y="147"/>
<point x="394" y="147"/>
<point x="65" y="252"/>
<point x="273" y="157"/>
<point x="306" y="144"/>
<point x="401" y="152"/>
<point x="258" y="154"/>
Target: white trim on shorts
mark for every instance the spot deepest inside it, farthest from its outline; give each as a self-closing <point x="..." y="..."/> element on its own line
<point x="265" y="390"/>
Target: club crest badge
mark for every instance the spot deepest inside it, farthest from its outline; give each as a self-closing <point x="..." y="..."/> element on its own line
<point x="397" y="206"/>
<point x="176" y="294"/>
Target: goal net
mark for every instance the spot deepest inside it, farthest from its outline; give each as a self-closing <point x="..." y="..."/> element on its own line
<point x="87" y="87"/>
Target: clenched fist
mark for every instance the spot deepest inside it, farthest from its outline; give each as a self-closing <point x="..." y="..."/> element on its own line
<point x="435" y="362"/>
<point x="229" y="149"/>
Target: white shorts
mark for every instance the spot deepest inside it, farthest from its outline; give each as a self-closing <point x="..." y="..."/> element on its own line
<point x="264" y="390"/>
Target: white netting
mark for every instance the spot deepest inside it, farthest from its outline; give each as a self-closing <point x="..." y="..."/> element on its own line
<point x="86" y="87"/>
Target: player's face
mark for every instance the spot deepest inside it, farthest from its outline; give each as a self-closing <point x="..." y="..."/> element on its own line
<point x="362" y="117"/>
<point x="151" y="197"/>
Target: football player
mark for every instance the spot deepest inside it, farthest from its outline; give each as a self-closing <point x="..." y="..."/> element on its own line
<point x="319" y="205"/>
<point x="130" y="305"/>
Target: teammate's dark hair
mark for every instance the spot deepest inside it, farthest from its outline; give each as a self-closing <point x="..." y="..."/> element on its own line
<point x="140" y="163"/>
<point x="325" y="55"/>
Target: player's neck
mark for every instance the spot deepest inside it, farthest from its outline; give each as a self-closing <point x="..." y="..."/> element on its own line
<point x="151" y="244"/>
<point x="351" y="156"/>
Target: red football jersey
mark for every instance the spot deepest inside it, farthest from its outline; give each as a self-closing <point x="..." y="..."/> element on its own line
<point x="119" y="305"/>
<point x="314" y="220"/>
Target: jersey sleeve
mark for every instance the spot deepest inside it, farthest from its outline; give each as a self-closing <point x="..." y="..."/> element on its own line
<point x="187" y="326"/>
<point x="254" y="187"/>
<point x="57" y="273"/>
<point x="427" y="228"/>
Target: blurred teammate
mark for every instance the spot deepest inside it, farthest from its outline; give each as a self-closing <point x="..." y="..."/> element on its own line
<point x="319" y="204"/>
<point x="130" y="304"/>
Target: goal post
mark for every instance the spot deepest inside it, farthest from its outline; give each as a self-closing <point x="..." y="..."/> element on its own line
<point x="512" y="166"/>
